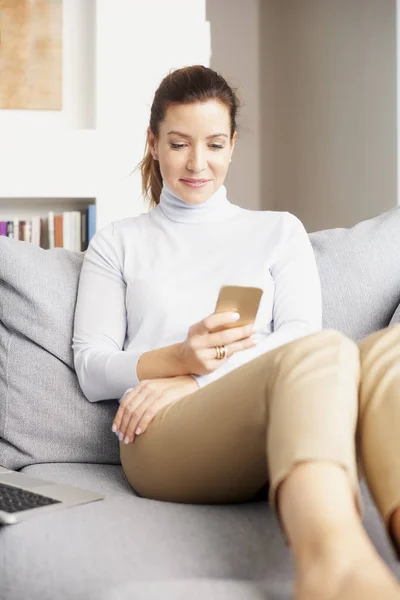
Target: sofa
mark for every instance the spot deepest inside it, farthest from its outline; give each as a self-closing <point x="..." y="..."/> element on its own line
<point x="127" y="547"/>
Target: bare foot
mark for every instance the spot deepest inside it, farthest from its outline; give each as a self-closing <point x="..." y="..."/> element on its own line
<point x="340" y="576"/>
<point x="368" y="580"/>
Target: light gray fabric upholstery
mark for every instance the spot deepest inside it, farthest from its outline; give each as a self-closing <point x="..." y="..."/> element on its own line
<point x="396" y="316"/>
<point x="127" y="547"/>
<point x="199" y="589"/>
<point x="44" y="416"/>
<point x="360" y="274"/>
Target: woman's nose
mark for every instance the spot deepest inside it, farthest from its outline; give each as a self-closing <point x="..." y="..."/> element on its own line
<point x="197" y="161"/>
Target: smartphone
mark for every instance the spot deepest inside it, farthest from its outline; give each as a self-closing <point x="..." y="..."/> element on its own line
<point x="241" y="299"/>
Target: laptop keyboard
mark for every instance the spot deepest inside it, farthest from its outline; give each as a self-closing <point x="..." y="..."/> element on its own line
<point x="13" y="499"/>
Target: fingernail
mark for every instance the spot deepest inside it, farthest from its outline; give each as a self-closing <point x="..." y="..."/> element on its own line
<point x="235" y="316"/>
<point x="114" y="428"/>
<point x="116" y="433"/>
<point x="120" y="436"/>
<point x="138" y="431"/>
<point x="126" y="440"/>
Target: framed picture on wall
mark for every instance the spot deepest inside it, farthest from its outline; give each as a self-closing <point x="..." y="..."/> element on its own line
<point x="31" y="54"/>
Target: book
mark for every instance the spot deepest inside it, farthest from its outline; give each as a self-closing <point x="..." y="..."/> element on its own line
<point x="35" y="230"/>
<point x="50" y="222"/>
<point x="16" y="229"/>
<point x="21" y="228"/>
<point x="66" y="230"/>
<point x="84" y="242"/>
<point x="75" y="224"/>
<point x="58" y="231"/>
<point x="91" y="221"/>
<point x="44" y="233"/>
<point x="27" y="231"/>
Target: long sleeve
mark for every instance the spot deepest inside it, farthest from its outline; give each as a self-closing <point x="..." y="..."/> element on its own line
<point x="103" y="368"/>
<point x="297" y="307"/>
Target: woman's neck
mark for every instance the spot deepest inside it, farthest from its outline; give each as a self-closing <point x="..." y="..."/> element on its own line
<point x="216" y="208"/>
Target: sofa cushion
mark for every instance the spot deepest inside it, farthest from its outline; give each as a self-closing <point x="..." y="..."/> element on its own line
<point x="93" y="551"/>
<point x="360" y="274"/>
<point x="44" y="416"/>
<point x="120" y="548"/>
<point x="396" y="316"/>
<point x="198" y="589"/>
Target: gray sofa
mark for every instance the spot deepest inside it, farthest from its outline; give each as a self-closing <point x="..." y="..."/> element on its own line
<point x="125" y="546"/>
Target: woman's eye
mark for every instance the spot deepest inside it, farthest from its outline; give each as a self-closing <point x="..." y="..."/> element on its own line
<point x="179" y="146"/>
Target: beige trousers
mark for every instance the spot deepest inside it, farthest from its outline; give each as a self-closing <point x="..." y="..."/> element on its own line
<point x="322" y="397"/>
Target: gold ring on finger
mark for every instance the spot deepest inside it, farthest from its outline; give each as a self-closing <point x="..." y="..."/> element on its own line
<point x="221" y="352"/>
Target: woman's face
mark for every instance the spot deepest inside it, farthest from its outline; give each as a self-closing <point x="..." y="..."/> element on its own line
<point x="194" y="149"/>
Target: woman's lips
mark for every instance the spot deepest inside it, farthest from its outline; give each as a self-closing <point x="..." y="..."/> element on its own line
<point x="195" y="184"/>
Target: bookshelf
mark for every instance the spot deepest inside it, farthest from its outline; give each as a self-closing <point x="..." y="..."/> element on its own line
<point x="68" y="223"/>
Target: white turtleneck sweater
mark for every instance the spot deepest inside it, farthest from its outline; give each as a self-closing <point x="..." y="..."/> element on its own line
<point x="146" y="279"/>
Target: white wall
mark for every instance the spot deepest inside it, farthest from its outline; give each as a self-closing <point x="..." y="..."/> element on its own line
<point x="148" y="39"/>
<point x="78" y="63"/>
<point x="235" y="40"/>
<point x="115" y="54"/>
<point x="398" y="95"/>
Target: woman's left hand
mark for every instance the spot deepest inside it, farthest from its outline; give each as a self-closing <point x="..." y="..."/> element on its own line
<point x="139" y="406"/>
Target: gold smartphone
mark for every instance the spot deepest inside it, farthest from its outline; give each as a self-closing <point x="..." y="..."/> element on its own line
<point x="241" y="299"/>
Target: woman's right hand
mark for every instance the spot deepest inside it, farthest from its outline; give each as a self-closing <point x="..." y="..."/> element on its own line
<point x="198" y="352"/>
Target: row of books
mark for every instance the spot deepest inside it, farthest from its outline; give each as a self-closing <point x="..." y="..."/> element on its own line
<point x="71" y="230"/>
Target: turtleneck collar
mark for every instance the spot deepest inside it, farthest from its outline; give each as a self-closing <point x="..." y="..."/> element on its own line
<point x="216" y="208"/>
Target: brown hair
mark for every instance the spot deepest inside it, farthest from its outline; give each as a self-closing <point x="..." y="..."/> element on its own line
<point x="182" y="86"/>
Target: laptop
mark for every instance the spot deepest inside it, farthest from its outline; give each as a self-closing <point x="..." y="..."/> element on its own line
<point x="23" y="496"/>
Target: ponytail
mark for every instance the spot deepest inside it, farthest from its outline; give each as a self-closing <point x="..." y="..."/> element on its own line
<point x="151" y="179"/>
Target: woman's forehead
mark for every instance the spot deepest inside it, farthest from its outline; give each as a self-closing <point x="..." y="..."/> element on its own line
<point x="189" y="118"/>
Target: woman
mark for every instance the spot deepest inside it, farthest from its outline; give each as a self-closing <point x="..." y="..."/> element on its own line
<point x="211" y="417"/>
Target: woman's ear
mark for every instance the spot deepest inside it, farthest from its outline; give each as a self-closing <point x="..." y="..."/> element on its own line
<point x="233" y="142"/>
<point x="152" y="143"/>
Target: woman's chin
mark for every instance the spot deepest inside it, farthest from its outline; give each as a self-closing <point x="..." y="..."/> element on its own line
<point x="193" y="195"/>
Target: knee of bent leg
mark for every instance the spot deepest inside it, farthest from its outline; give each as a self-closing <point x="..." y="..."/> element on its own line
<point x="374" y="345"/>
<point x="330" y="345"/>
<point x="380" y="372"/>
<point x="380" y="355"/>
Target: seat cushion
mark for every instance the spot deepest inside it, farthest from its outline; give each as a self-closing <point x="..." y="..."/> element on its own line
<point x="110" y="549"/>
<point x="200" y="589"/>
<point x="359" y="269"/>
<point x="44" y="416"/>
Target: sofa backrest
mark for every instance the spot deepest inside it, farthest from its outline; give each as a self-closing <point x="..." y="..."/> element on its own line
<point x="44" y="416"/>
<point x="359" y="270"/>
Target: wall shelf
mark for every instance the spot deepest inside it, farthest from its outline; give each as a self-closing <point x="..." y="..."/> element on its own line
<point x="14" y="208"/>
